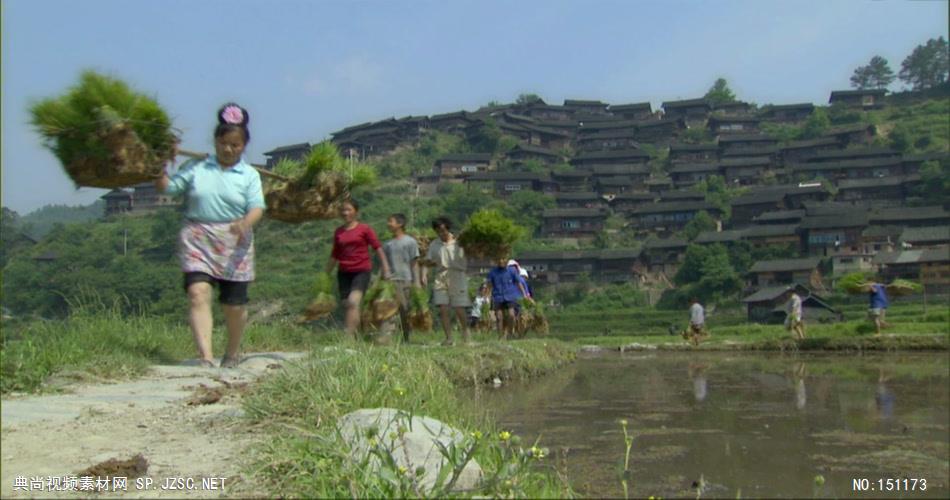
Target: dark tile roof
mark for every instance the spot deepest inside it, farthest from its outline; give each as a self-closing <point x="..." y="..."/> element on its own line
<point x="824" y="141"/>
<point x="662" y="181"/>
<point x="688" y="168"/>
<point x="759" y="196"/>
<point x="666" y="243"/>
<point x="639" y="106"/>
<point x="769" y="293"/>
<point x="900" y="214"/>
<point x="898" y="257"/>
<point x="608" y="155"/>
<point x="509" y="176"/>
<point x="536" y="255"/>
<point x="726" y="236"/>
<point x="116" y="194"/>
<point x="853" y="93"/>
<point x="750" y="151"/>
<point x="447" y="116"/>
<point x="547" y="130"/>
<point x="746" y="138"/>
<point x="852" y="219"/>
<point x="778" y="215"/>
<point x="679" y="147"/>
<point x="770" y="230"/>
<point x="574" y="212"/>
<point x="925" y="235"/>
<point x="675" y="206"/>
<point x="620" y="253"/>
<point x="874" y="182"/>
<point x="853" y="153"/>
<point x="832" y="207"/>
<point x="849" y="129"/>
<point x="535" y="150"/>
<point x="607" y="134"/>
<point x="646" y="124"/>
<point x="922" y="157"/>
<point x="845" y="164"/>
<point x="615" y="181"/>
<point x="635" y="196"/>
<point x="590" y="195"/>
<point x="477" y="157"/>
<point x="784" y="265"/>
<point x="582" y="102"/>
<point x="892" y="232"/>
<point x="600" y="170"/>
<point x="292" y="147"/>
<point x="682" y="194"/>
<point x="720" y="118"/>
<point x="687" y="103"/>
<point x="758" y="161"/>
<point x="571" y="174"/>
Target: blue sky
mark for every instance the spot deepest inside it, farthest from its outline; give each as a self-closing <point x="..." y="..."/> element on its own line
<point x="306" y="68"/>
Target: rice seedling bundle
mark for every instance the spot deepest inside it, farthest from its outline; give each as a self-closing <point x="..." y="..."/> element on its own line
<point x="380" y="301"/>
<point x="489" y="235"/>
<point x="105" y="133"/>
<point x="900" y="287"/>
<point x="315" y="187"/>
<point x="420" y="315"/>
<point x="323" y="303"/>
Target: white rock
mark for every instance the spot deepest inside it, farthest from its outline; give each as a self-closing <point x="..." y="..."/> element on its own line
<point x="416" y="448"/>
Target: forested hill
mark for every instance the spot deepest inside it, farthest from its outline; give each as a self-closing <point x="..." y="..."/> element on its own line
<point x="130" y="260"/>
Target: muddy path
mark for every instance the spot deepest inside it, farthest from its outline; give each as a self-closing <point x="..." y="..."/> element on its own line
<point x="185" y="421"/>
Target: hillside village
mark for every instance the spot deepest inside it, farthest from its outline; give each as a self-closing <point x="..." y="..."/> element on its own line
<point x="841" y="201"/>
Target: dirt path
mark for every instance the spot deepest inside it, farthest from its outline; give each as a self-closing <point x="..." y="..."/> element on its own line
<point x="61" y="435"/>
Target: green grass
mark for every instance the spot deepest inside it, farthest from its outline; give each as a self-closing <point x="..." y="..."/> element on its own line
<point x="302" y="404"/>
<point x="109" y="345"/>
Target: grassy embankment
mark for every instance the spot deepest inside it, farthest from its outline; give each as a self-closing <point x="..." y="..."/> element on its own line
<point x="911" y="328"/>
<point x="301" y="405"/>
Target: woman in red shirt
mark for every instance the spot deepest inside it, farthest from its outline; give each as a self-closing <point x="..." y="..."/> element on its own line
<point x="351" y="243"/>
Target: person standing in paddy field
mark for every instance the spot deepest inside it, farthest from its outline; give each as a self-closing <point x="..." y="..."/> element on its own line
<point x="224" y="200"/>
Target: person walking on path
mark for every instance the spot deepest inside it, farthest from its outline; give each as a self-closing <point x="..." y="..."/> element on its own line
<point x="794" y="321"/>
<point x="481" y="298"/>
<point x="449" y="285"/>
<point x="877" y="308"/>
<point x="506" y="290"/>
<point x="351" y="243"/>
<point x="697" y="323"/>
<point x="402" y="252"/>
<point x="223" y="200"/>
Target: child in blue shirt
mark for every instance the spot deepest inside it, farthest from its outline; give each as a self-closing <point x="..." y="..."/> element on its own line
<point x="506" y="289"/>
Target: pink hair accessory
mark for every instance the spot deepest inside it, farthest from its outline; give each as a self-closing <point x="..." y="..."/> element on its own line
<point x="233" y="115"/>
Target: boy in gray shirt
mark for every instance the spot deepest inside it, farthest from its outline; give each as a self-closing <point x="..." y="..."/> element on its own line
<point x="403" y="253"/>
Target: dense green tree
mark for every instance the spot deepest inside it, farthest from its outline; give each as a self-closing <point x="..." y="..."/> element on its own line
<point x="935" y="182"/>
<point x="702" y="222"/>
<point x="818" y="123"/>
<point x="486" y="138"/>
<point x="706" y="273"/>
<point x="877" y="74"/>
<point x="525" y="208"/>
<point x="527" y="98"/>
<point x="720" y="93"/>
<point x="927" y="66"/>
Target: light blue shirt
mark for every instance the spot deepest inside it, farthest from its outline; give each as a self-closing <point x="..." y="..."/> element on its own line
<point x="215" y="194"/>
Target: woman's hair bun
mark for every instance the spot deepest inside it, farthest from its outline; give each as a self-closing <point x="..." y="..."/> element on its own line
<point x="233" y="114"/>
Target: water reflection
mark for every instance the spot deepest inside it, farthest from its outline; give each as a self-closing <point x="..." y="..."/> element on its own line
<point x="884" y="398"/>
<point x="697" y="372"/>
<point x="730" y="421"/>
<point x="798" y="379"/>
